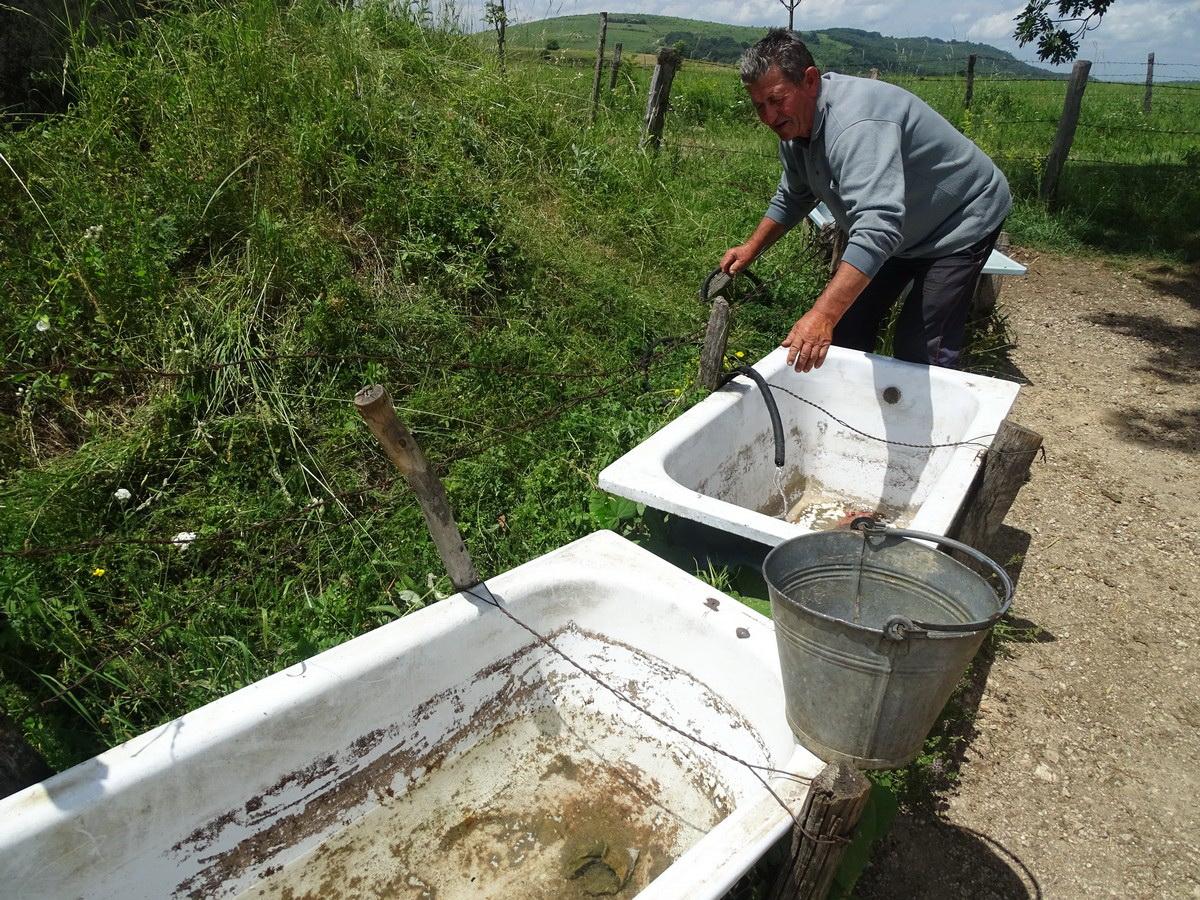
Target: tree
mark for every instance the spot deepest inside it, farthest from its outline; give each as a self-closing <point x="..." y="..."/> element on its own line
<point x="1057" y="37"/>
<point x="496" y="15"/>
<point x="790" y="6"/>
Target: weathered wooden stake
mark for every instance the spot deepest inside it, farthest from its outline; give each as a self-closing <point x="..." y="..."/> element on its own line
<point x="987" y="290"/>
<point x="1005" y="468"/>
<point x="715" y="338"/>
<point x="1149" y="83"/>
<point x="1066" y="130"/>
<point x="836" y="249"/>
<point x="835" y="803"/>
<point x="616" y="67"/>
<point x="659" y="97"/>
<point x="970" y="81"/>
<point x="375" y="406"/>
<point x="599" y="65"/>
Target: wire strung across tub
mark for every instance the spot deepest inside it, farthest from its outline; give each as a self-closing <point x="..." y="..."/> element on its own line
<point x="970" y="442"/>
<point x="755" y="769"/>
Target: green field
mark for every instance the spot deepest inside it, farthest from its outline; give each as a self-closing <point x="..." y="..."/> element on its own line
<point x="244" y="218"/>
<point x="844" y="49"/>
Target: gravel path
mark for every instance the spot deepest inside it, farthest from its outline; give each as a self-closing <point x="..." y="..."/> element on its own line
<point x="1081" y="773"/>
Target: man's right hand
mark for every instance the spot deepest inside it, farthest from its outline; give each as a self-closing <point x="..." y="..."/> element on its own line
<point x="737" y="258"/>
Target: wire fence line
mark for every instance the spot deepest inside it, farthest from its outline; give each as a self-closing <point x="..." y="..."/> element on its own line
<point x="616" y="378"/>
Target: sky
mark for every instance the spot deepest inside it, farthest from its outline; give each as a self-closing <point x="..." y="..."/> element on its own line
<point x="1118" y="48"/>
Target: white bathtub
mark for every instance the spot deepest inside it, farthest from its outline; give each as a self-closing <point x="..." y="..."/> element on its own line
<point x="451" y="754"/>
<point x="715" y="463"/>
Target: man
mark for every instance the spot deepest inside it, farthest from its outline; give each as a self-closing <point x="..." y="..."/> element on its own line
<point x="921" y="204"/>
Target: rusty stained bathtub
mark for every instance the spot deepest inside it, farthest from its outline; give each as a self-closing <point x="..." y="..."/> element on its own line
<point x="450" y="754"/>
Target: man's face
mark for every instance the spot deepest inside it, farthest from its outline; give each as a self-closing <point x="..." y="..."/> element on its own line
<point x="784" y="106"/>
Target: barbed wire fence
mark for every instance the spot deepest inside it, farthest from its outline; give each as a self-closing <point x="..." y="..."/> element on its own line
<point x="1123" y="83"/>
<point x="337" y="509"/>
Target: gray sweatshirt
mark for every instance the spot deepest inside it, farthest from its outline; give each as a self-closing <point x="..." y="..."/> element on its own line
<point x="898" y="178"/>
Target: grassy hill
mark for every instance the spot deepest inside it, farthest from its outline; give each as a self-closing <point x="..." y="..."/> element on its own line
<point x="841" y="49"/>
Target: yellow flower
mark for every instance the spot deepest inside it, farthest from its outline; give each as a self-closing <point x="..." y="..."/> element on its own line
<point x="740" y="354"/>
<point x="97" y="572"/>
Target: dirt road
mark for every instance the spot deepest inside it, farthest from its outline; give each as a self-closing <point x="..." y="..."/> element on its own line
<point x="1081" y="770"/>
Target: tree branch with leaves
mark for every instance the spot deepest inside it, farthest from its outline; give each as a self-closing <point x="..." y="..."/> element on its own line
<point x="1057" y="34"/>
<point x="495" y="15"/>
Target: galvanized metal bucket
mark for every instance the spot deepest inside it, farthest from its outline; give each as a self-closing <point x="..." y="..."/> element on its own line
<point x="874" y="630"/>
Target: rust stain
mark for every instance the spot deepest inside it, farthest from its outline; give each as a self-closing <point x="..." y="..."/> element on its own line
<point x="342" y="783"/>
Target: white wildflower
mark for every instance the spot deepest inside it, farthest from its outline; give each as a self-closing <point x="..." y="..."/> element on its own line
<point x="93" y="232"/>
<point x="43" y="324"/>
<point x="183" y="539"/>
<point x="121" y="494"/>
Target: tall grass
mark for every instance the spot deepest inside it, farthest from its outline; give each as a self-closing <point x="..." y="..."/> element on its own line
<point x="250" y="210"/>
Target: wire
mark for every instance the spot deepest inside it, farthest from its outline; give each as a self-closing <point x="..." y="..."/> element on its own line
<point x="754" y="768"/>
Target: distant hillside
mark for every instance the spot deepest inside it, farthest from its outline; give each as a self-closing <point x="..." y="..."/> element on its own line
<point x="839" y="49"/>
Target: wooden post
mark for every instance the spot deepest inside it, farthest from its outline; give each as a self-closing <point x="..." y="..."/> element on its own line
<point x="616" y="66"/>
<point x="1066" y="130"/>
<point x="874" y="73"/>
<point x="1005" y="467"/>
<point x="1149" y="83"/>
<point x="375" y="406"/>
<point x="715" y="338"/>
<point x="987" y="289"/>
<point x="659" y="97"/>
<point x="836" y="248"/>
<point x="970" y="81"/>
<point x="835" y="803"/>
<point x="599" y="64"/>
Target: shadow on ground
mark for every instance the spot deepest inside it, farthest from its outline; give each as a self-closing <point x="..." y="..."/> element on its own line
<point x="1173" y="356"/>
<point x="925" y="856"/>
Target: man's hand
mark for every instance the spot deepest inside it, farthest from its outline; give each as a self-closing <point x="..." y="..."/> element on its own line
<point x="737" y="258"/>
<point x="808" y="341"/>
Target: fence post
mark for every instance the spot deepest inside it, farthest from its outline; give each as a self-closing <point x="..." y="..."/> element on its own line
<point x="375" y="406"/>
<point x="659" y="97"/>
<point x="715" y="338"/>
<point x="1005" y="467"/>
<point x="616" y="65"/>
<point x="1149" y="83"/>
<point x="1066" y="130"/>
<point x="835" y="803"/>
<point x="599" y="64"/>
<point x="970" y="81"/>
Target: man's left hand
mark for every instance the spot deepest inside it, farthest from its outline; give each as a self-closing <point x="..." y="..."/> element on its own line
<point x="808" y="341"/>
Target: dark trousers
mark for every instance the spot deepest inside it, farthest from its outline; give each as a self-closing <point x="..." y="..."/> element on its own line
<point x="933" y="322"/>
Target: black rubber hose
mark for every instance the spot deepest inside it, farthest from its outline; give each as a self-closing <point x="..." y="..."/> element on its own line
<point x="769" y="399"/>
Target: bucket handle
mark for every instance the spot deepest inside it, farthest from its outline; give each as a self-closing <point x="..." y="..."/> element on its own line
<point x="898" y="626"/>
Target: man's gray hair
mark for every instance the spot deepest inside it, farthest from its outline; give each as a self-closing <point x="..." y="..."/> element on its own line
<point x="781" y="48"/>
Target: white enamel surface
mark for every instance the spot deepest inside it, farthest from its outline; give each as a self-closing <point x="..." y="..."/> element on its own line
<point x="148" y="818"/>
<point x="715" y="463"/>
<point x="997" y="263"/>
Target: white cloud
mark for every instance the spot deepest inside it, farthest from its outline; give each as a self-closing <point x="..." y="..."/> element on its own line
<point x="994" y="28"/>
